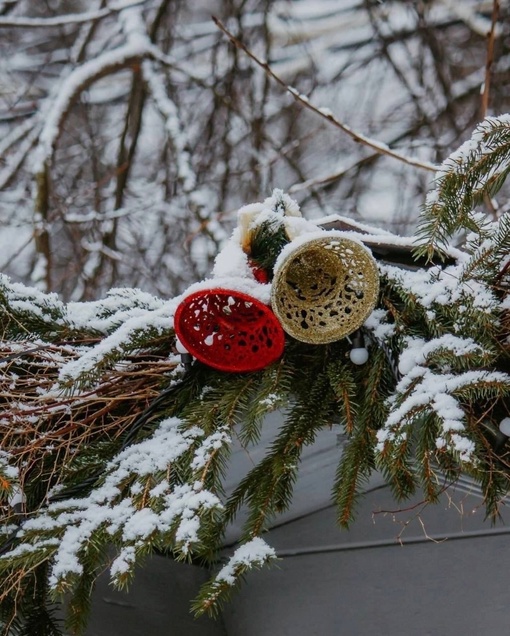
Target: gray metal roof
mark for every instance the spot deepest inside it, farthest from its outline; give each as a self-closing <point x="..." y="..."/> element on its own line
<point x="438" y="570"/>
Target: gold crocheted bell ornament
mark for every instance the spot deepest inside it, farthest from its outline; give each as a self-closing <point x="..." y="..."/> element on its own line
<point x="325" y="289"/>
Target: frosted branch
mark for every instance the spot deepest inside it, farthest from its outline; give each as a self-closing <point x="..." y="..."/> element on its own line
<point x="74" y="84"/>
<point x="173" y="126"/>
<point x="379" y="147"/>
<point x="63" y="20"/>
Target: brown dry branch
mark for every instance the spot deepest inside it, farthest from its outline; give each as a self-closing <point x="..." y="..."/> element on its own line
<point x="44" y="429"/>
<point x="490" y="60"/>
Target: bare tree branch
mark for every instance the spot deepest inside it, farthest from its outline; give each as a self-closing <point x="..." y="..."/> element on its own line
<point x="490" y="59"/>
<point x="378" y="146"/>
<point x="62" y="20"/>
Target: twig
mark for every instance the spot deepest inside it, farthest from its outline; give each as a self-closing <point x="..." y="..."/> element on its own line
<point x="61" y="20"/>
<point x="379" y="147"/>
<point x="490" y="59"/>
<point x="67" y="18"/>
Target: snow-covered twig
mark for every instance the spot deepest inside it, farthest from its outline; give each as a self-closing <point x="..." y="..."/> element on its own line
<point x="15" y="162"/>
<point x="62" y="20"/>
<point x="173" y="125"/>
<point x="474" y="20"/>
<point x="16" y="134"/>
<point x="379" y="147"/>
<point x="76" y="82"/>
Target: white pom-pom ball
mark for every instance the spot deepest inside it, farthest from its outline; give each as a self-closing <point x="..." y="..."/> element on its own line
<point x="504" y="426"/>
<point x="180" y="347"/>
<point x="359" y="355"/>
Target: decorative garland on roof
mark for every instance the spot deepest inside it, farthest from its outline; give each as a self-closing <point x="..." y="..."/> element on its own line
<point x="112" y="443"/>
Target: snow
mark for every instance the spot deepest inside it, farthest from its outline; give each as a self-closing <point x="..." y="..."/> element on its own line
<point x="179" y="507"/>
<point x="159" y="321"/>
<point x="57" y="105"/>
<point x="17" y="497"/>
<point x="356" y="225"/>
<point x="476" y="22"/>
<point x="421" y="390"/>
<point x="210" y="446"/>
<point x="377" y="323"/>
<point x="47" y="307"/>
<point x="6" y="469"/>
<point x="417" y="350"/>
<point x="276" y="210"/>
<point x="253" y="553"/>
<point x="480" y="143"/>
<point x="232" y="260"/>
<point x="109" y="312"/>
<point x="261" y="292"/>
<point x="378" y="146"/>
<point x="173" y="125"/>
<point x="69" y="18"/>
<point x="441" y="286"/>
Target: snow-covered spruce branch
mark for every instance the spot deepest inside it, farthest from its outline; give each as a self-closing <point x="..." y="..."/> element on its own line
<point x="422" y="392"/>
<point x="442" y="296"/>
<point x="137" y="326"/>
<point x="476" y="169"/>
<point x="21" y="304"/>
<point x="379" y="147"/>
<point x="489" y="252"/>
<point x="253" y="554"/>
<point x="140" y="502"/>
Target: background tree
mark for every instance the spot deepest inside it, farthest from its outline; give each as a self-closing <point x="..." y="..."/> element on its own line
<point x="131" y="134"/>
<point x="140" y="117"/>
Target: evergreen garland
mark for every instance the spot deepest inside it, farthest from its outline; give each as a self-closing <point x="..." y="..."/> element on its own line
<point x="114" y="447"/>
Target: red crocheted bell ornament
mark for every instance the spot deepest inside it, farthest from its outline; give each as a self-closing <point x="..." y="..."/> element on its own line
<point x="229" y="330"/>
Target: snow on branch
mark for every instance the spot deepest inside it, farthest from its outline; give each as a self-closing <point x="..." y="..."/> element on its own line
<point x="475" y="170"/>
<point x="252" y="554"/>
<point x="437" y="288"/>
<point x="75" y="83"/>
<point x="62" y="20"/>
<point x="15" y="161"/>
<point x="325" y="113"/>
<point x="173" y="125"/>
<point x="8" y="473"/>
<point x="136" y="326"/>
<point x="153" y="506"/>
<point x="423" y="392"/>
<point x="472" y="18"/>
